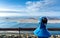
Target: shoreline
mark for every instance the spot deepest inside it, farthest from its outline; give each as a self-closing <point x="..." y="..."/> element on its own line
<point x="36" y="21"/>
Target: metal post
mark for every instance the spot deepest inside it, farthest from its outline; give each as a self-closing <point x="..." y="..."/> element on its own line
<point x="19" y="33"/>
<point x="54" y="36"/>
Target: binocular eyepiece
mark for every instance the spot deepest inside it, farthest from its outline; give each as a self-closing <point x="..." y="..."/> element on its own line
<point x="44" y="20"/>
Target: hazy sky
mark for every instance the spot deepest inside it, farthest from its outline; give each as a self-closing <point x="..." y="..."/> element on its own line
<point x="29" y="7"/>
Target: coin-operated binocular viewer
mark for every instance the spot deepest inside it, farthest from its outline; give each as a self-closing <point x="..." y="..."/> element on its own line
<point x="42" y="31"/>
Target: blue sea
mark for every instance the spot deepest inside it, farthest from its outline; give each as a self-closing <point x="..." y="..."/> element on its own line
<point x="14" y="24"/>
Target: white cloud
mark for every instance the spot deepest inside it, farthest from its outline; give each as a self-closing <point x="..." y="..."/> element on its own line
<point x="38" y="5"/>
<point x="7" y="10"/>
<point x="11" y="14"/>
<point x="31" y="6"/>
<point x="34" y="8"/>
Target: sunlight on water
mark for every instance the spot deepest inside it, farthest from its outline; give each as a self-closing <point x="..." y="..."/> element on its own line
<point x="15" y="24"/>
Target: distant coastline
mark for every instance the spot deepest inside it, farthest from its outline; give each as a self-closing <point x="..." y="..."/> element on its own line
<point x="29" y="20"/>
<point x="36" y="21"/>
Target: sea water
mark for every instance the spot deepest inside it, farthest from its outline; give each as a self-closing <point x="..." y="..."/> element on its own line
<point x="14" y="24"/>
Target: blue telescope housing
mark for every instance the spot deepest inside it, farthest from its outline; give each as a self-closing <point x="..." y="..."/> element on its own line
<point x="42" y="31"/>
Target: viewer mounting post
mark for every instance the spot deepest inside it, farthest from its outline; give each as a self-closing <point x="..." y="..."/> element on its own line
<point x="19" y="32"/>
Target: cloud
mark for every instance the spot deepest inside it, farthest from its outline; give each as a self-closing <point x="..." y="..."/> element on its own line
<point x="11" y="14"/>
<point x="39" y="5"/>
<point x="35" y="8"/>
<point x="12" y="10"/>
<point x="43" y="8"/>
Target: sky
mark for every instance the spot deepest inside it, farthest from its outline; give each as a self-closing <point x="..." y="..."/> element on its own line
<point x="29" y="8"/>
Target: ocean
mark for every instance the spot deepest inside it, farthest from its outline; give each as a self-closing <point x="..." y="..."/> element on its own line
<point x="14" y="24"/>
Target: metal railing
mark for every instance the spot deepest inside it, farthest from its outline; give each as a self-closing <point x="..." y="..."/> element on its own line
<point x="26" y="29"/>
